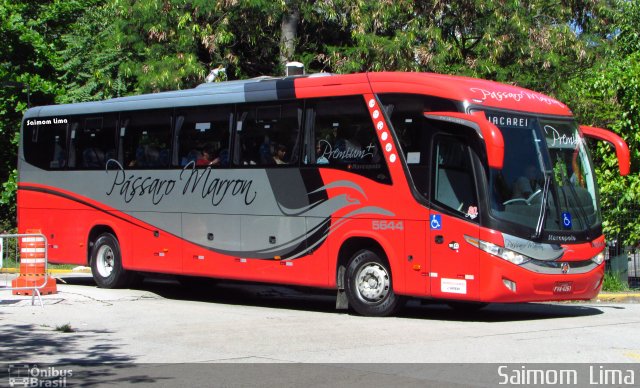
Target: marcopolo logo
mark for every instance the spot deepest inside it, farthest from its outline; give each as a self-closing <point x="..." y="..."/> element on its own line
<point x="24" y="375"/>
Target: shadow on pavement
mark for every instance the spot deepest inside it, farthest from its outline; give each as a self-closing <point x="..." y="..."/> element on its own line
<point x="318" y="300"/>
<point x="499" y="312"/>
<point x="101" y="363"/>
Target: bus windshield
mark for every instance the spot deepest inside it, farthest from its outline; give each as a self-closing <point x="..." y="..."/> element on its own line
<point x="539" y="149"/>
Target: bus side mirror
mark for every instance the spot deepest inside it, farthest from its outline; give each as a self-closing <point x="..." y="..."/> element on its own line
<point x="488" y="132"/>
<point x="622" y="150"/>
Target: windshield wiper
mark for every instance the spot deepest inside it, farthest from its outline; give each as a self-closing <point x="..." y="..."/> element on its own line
<point x="543" y="206"/>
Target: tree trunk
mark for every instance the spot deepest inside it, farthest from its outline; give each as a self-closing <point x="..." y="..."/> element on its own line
<point x="289" y="33"/>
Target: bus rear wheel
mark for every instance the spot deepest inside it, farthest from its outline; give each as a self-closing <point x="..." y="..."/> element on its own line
<point x="106" y="263"/>
<point x="368" y="285"/>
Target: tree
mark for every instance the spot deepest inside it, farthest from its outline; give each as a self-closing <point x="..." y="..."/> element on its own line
<point x="156" y="45"/>
<point x="30" y="32"/>
<point x="90" y="60"/>
<point x="608" y="95"/>
<point x="533" y="44"/>
<point x="289" y="31"/>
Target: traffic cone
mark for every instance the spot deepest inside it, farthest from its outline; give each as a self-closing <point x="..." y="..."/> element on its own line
<point x="33" y="259"/>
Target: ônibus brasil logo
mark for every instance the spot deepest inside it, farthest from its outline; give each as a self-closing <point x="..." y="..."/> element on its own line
<point x="25" y="375"/>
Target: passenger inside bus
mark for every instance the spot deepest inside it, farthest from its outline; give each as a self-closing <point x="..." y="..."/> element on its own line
<point x="530" y="182"/>
<point x="93" y="157"/>
<point x="321" y="152"/>
<point x="191" y="157"/>
<point x="58" y="155"/>
<point x="205" y="157"/>
<point x="346" y="143"/>
<point x="149" y="155"/>
<point x="212" y="157"/>
<point x="279" y="154"/>
<point x="266" y="151"/>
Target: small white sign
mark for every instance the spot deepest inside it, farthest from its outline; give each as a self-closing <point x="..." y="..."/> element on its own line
<point x="454" y="286"/>
<point x="413" y="157"/>
<point x="201" y="127"/>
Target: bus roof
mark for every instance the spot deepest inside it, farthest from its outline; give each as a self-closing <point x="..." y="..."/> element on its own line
<point x="470" y="91"/>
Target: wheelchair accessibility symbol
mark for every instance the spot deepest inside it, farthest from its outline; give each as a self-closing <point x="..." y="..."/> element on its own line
<point x="566" y="220"/>
<point x="436" y="222"/>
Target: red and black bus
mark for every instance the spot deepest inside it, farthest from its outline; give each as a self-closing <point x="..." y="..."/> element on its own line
<point x="379" y="185"/>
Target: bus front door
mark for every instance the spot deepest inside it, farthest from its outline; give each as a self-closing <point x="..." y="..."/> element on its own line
<point x="454" y="262"/>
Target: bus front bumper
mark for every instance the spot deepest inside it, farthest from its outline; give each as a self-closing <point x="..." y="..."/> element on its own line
<point x="506" y="282"/>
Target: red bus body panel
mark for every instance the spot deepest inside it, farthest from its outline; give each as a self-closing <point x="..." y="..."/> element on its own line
<point x="419" y="266"/>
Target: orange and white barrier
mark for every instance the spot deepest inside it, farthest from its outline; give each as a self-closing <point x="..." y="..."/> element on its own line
<point x="33" y="278"/>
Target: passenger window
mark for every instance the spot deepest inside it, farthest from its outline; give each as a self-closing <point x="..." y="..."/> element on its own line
<point x="203" y="136"/>
<point x="414" y="133"/>
<point x="341" y="134"/>
<point x="406" y="112"/>
<point x="45" y="142"/>
<point x="268" y="134"/>
<point x="146" y="139"/>
<point x="92" y="142"/>
<point x="453" y="183"/>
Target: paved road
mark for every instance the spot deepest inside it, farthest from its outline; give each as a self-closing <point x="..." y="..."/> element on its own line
<point x="163" y="322"/>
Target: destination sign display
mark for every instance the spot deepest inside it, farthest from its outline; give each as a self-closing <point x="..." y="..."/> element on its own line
<point x="503" y="119"/>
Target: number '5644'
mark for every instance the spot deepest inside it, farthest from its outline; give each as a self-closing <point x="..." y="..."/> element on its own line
<point x="387" y="225"/>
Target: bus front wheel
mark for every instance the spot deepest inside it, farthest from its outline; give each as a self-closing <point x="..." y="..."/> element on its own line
<point x="106" y="263"/>
<point x="368" y="285"/>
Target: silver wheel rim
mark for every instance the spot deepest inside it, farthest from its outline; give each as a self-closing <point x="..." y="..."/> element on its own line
<point x="105" y="261"/>
<point x="373" y="283"/>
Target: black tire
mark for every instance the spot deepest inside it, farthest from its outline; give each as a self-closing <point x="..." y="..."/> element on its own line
<point x="468" y="307"/>
<point x="106" y="263"/>
<point x="369" y="286"/>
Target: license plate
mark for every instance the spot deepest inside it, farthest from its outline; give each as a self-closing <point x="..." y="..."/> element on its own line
<point x="563" y="288"/>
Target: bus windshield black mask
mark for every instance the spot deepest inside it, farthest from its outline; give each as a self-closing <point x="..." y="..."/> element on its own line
<point x="518" y="190"/>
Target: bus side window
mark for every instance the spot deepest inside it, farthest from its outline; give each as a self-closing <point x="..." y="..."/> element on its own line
<point x="93" y="141"/>
<point x="45" y="142"/>
<point x="268" y="134"/>
<point x="203" y="136"/>
<point x="406" y="112"/>
<point x="147" y="139"/>
<point x="340" y="134"/>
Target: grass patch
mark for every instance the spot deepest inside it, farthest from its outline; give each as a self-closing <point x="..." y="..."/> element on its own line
<point x="11" y="262"/>
<point x="612" y="283"/>
<point x="66" y="328"/>
<point x="10" y="255"/>
<point x="62" y="266"/>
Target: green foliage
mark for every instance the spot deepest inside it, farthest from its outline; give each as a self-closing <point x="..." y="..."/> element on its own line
<point x="586" y="52"/>
<point x="532" y="44"/>
<point x="173" y="44"/>
<point x="30" y="32"/>
<point x="90" y="62"/>
<point x="66" y="328"/>
<point x="608" y="95"/>
<point x="8" y="195"/>
<point x="612" y="283"/>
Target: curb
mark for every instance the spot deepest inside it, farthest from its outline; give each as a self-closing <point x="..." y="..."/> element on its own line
<point x="617" y="296"/>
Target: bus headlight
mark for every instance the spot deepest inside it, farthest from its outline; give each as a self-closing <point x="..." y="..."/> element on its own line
<point x="495" y="250"/>
<point x="599" y="258"/>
